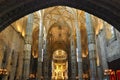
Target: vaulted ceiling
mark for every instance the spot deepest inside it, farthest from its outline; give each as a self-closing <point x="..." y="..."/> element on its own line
<point x="11" y="10"/>
<point x="59" y="23"/>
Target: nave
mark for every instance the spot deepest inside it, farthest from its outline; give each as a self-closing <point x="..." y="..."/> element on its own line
<point x="59" y="43"/>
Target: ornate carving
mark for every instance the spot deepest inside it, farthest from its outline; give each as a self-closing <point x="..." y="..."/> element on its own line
<point x="11" y="10"/>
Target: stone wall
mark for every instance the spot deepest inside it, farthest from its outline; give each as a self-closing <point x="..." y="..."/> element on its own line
<point x="109" y="49"/>
<point x="113" y="48"/>
<point x="12" y="44"/>
<point x="102" y="52"/>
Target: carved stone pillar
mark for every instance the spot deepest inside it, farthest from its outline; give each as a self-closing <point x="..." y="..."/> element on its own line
<point x="20" y="63"/>
<point x="19" y="68"/>
<point x="79" y="52"/>
<point x="40" y="48"/>
<point x="100" y="72"/>
<point x="99" y="65"/>
<point x="14" y="65"/>
<point x="46" y="62"/>
<point x="2" y="49"/>
<point x="6" y="61"/>
<point x="103" y="49"/>
<point x="91" y="48"/>
<point x="73" y="60"/>
<point x="27" y="47"/>
<point x="9" y="50"/>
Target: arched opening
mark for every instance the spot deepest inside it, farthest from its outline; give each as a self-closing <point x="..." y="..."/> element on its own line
<point x="58" y="50"/>
<point x="89" y="44"/>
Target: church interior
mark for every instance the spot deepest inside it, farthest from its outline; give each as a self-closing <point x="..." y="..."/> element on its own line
<point x="60" y="43"/>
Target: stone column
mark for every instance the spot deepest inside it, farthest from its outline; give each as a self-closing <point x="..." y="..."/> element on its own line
<point x="14" y="65"/>
<point x="19" y="68"/>
<point x="2" y="49"/>
<point x="79" y="52"/>
<point x="46" y="62"/>
<point x="91" y="48"/>
<point x="100" y="72"/>
<point x="103" y="52"/>
<point x="99" y="66"/>
<point x="40" y="48"/>
<point x="20" y="64"/>
<point x="73" y="60"/>
<point x="10" y="49"/>
<point x="8" y="63"/>
<point x="27" y="47"/>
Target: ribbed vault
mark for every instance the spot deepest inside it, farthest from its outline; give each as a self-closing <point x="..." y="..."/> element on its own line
<point x="11" y="10"/>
